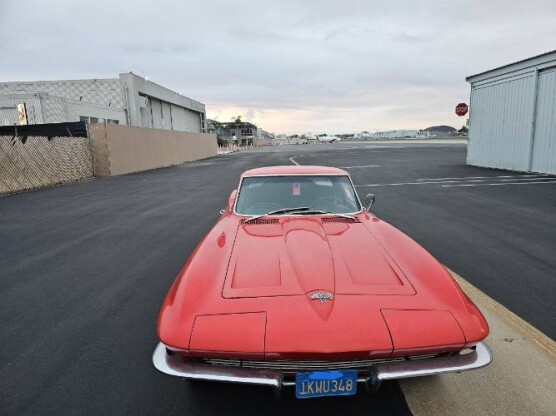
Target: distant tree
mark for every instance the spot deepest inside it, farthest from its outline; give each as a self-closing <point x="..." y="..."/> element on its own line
<point x="237" y="119"/>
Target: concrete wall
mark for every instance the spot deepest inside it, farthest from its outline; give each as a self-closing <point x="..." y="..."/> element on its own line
<point x="125" y="149"/>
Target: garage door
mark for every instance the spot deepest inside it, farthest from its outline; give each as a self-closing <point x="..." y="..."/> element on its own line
<point x="544" y="145"/>
<point x="156" y="113"/>
<point x="166" y="116"/>
<point x="501" y="120"/>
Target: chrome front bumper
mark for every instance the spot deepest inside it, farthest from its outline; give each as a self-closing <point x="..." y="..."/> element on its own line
<point x="372" y="376"/>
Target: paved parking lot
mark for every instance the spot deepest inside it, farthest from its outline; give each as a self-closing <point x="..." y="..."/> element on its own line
<point x="85" y="266"/>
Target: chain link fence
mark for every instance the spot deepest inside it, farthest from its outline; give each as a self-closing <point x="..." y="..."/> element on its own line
<point x="40" y="157"/>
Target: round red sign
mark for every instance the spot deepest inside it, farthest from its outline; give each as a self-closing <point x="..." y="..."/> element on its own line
<point x="461" y="109"/>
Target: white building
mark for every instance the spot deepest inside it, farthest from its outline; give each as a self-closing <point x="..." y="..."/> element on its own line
<point x="128" y="99"/>
<point x="512" y="122"/>
<point x="389" y="134"/>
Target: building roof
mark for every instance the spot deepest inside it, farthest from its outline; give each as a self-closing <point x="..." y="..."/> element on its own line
<point x="514" y="66"/>
<point x="440" y="128"/>
<point x="294" y="170"/>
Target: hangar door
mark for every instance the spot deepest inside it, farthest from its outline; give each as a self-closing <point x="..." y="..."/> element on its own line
<point x="544" y="145"/>
<point x="156" y="114"/>
<point x="501" y="120"/>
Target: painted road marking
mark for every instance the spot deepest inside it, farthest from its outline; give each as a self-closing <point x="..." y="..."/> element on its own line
<point x="497" y="184"/>
<point x="293" y="161"/>
<point x="474" y="182"/>
<point x="480" y="177"/>
<point x="403" y="183"/>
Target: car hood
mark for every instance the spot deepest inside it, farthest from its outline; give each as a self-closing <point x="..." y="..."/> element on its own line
<point x="320" y="256"/>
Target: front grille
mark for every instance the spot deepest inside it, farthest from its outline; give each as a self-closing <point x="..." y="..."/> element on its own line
<point x="295" y="366"/>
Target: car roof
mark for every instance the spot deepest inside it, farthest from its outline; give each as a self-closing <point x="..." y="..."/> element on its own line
<point x="288" y="170"/>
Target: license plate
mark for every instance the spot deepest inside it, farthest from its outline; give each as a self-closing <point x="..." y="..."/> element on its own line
<point x="325" y="383"/>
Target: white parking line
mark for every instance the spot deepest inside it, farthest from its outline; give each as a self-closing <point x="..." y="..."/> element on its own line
<point x="395" y="184"/>
<point x="498" y="184"/>
<point x="293" y="161"/>
<point x="403" y="183"/>
<point x="469" y="182"/>
<point x="479" y="177"/>
<point x="531" y="178"/>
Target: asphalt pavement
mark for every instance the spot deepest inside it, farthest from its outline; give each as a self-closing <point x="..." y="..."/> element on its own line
<point x="84" y="268"/>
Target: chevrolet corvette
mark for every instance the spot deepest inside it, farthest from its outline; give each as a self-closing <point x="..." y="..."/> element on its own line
<point x="299" y="284"/>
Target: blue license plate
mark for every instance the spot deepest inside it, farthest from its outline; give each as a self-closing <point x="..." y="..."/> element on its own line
<point x="325" y="383"/>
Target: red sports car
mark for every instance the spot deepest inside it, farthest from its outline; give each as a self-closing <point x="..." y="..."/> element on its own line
<point x="298" y="284"/>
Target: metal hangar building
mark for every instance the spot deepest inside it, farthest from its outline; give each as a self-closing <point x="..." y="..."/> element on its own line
<point x="512" y="121"/>
<point x="129" y="99"/>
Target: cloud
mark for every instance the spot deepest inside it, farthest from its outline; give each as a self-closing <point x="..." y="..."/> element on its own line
<point x="289" y="65"/>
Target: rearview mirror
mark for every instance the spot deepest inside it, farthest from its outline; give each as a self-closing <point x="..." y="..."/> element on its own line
<point x="369" y="201"/>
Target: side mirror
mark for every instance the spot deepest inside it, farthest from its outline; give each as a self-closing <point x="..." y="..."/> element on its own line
<point x="369" y="201"/>
<point x="231" y="200"/>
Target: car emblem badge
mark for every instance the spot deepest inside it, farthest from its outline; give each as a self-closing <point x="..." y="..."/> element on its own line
<point x="322" y="296"/>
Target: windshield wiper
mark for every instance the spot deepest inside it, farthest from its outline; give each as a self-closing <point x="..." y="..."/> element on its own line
<point x="277" y="212"/>
<point x="318" y="211"/>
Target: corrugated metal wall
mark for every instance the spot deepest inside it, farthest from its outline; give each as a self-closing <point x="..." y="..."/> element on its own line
<point x="500" y="125"/>
<point x="45" y="108"/>
<point x="8" y="115"/>
<point x="8" y="109"/>
<point x="57" y="110"/>
<point x="147" y="104"/>
<point x="106" y="92"/>
<point x="513" y="118"/>
<point x="544" y="145"/>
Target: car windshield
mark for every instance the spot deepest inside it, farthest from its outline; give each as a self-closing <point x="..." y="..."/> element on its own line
<point x="260" y="195"/>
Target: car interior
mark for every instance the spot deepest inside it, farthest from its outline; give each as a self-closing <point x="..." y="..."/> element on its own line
<point x="260" y="195"/>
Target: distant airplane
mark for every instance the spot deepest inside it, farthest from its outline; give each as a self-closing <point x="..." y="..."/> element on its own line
<point x="328" y="139"/>
<point x="309" y="136"/>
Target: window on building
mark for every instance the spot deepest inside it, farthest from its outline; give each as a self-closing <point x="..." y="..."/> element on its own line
<point x="246" y="132"/>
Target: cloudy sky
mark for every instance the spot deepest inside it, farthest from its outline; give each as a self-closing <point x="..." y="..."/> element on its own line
<point x="291" y="66"/>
